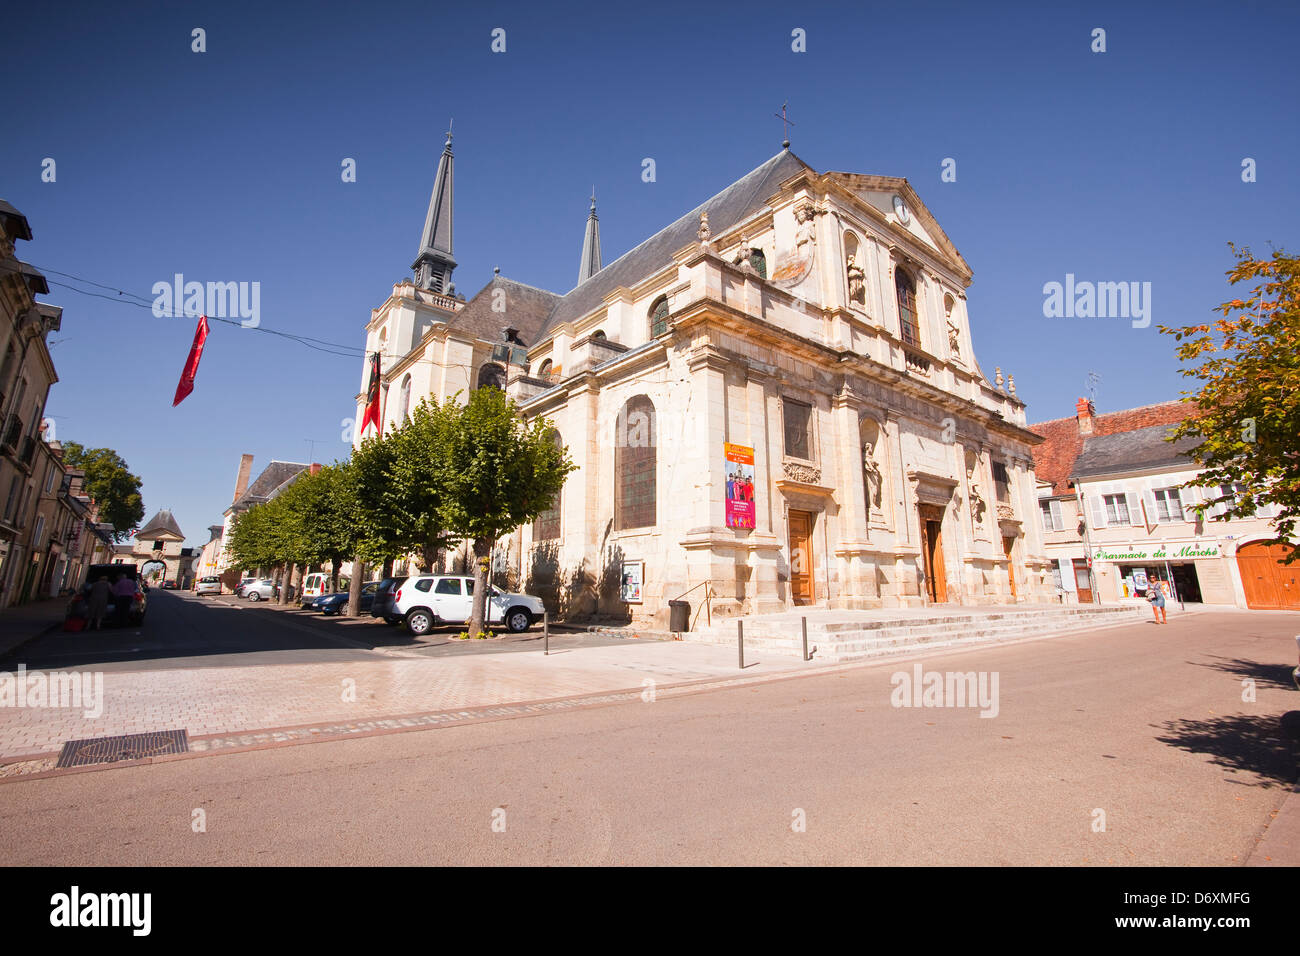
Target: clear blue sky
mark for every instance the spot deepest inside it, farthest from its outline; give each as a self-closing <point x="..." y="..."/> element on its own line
<point x="225" y="166"/>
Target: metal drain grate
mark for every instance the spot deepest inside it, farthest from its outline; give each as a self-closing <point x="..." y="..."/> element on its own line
<point x="80" y="753"/>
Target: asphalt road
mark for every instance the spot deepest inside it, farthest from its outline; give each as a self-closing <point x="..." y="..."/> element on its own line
<point x="183" y="630"/>
<point x="1141" y="728"/>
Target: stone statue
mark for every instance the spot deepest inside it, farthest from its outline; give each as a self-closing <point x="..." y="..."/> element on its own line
<point x="857" y="282"/>
<point x="871" y="475"/>
<point x="805" y="236"/>
<point x="954" y="339"/>
<point x="977" y="505"/>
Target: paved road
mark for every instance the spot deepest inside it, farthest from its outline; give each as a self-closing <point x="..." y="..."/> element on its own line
<point x="183" y="630"/>
<point x="1146" y="724"/>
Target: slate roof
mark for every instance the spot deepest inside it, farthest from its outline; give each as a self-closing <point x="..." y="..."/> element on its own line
<point x="1130" y="451"/>
<point x="1054" y="460"/>
<point x="272" y="477"/>
<point x="526" y="309"/>
<point x="734" y="204"/>
<point x="162" y="522"/>
<point x="15" y="221"/>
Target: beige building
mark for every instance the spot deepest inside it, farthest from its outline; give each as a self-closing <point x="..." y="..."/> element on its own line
<point x="775" y="398"/>
<point x="1119" y="516"/>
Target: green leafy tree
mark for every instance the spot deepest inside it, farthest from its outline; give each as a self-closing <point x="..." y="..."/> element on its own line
<point x="496" y="472"/>
<point x="399" y="490"/>
<point x="110" y="482"/>
<point x="1247" y="407"/>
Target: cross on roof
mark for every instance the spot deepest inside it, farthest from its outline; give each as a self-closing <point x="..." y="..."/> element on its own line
<point x="785" y="122"/>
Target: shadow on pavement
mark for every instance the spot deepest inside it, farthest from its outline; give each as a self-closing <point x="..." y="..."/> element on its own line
<point x="1259" y="745"/>
<point x="1267" y="675"/>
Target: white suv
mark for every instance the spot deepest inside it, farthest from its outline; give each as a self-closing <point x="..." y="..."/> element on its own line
<point x="428" y="599"/>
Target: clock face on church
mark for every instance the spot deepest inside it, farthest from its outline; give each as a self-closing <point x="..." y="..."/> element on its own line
<point x="901" y="211"/>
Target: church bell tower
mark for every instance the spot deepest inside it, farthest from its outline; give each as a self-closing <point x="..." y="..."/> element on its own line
<point x="434" y="264"/>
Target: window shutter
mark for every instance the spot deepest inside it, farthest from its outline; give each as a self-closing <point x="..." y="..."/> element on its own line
<point x="1058" y="522"/>
<point x="1134" y="508"/>
<point x="1067" y="573"/>
<point x="1266" y="511"/>
<point x="1097" y="508"/>
<point x="1191" y="496"/>
<point x="1153" y="513"/>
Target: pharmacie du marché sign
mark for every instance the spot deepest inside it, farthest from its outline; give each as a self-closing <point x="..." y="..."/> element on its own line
<point x="1162" y="553"/>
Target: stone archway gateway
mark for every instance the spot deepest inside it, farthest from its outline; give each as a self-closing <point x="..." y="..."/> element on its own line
<point x="153" y="566"/>
<point x="1269" y="584"/>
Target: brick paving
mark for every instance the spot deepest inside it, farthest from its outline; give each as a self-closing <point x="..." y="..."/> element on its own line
<point x="239" y="700"/>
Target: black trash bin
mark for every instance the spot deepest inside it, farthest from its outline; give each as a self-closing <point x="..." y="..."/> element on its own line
<point x="679" y="616"/>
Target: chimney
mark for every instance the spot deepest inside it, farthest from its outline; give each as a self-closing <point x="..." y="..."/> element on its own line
<point x="241" y="481"/>
<point x="1084" y="410"/>
<point x="315" y="467"/>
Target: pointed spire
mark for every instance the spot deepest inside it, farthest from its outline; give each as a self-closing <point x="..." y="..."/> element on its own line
<point x="590" y="264"/>
<point x="434" y="264"/>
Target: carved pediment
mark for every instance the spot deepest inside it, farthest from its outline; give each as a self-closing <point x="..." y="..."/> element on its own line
<point x="804" y="474"/>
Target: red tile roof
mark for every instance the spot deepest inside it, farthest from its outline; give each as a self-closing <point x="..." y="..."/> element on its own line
<point x="1054" y="459"/>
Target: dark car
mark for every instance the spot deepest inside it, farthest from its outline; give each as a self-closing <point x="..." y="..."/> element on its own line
<point x="335" y="603"/>
<point x="382" y="606"/>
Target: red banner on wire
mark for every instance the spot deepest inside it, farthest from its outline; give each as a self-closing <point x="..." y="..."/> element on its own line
<point x="186" y="384"/>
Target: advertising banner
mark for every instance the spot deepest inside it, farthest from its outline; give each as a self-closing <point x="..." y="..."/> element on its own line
<point x="738" y="465"/>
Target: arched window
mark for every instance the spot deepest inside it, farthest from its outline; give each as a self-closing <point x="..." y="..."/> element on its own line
<point x="404" y="400"/>
<point x="546" y="526"/>
<point x="491" y="375"/>
<point x="759" y="262"/>
<point x="544" y="370"/>
<point x="635" y="461"/>
<point x="598" y="335"/>
<point x="905" y="290"/>
<point x="659" y="317"/>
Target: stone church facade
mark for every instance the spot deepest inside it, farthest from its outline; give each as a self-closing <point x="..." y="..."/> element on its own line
<point x="774" y="399"/>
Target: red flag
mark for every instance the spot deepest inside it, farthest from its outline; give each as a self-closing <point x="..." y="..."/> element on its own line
<point x="186" y="384"/>
<point x="371" y="415"/>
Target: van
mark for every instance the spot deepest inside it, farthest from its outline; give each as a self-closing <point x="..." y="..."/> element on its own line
<point x="313" y="586"/>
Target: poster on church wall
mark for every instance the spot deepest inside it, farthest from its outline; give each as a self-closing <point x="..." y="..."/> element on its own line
<point x="633" y="573"/>
<point x="738" y="465"/>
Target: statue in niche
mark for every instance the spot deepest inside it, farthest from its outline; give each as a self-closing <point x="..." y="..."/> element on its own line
<point x="857" y="282"/>
<point x="954" y="339"/>
<point x="871" y="476"/>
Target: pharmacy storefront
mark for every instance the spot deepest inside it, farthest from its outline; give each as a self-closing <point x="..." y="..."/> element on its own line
<point x="1190" y="570"/>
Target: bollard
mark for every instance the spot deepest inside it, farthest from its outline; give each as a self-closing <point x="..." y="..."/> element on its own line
<point x="740" y="638"/>
<point x="546" y="631"/>
<point x="805" y="637"/>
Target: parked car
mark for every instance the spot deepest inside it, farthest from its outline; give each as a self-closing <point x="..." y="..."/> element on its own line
<point x="314" y="585"/>
<point x="382" y="606"/>
<point x="139" y="603"/>
<point x="429" y="599"/>
<point x="262" y="589"/>
<point x="209" y="585"/>
<point x="335" y="603"/>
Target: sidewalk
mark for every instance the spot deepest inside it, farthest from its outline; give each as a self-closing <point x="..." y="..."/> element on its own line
<point x="18" y="625"/>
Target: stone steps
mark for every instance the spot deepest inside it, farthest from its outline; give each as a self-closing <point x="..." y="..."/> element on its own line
<point x="849" y="640"/>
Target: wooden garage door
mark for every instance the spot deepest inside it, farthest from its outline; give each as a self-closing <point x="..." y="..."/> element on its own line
<point x="1267" y="581"/>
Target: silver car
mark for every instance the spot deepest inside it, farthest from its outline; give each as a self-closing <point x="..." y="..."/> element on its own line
<point x="208" y="585"/>
<point x="263" y="589"/>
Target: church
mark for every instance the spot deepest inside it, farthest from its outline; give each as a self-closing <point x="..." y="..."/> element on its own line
<point x="773" y="401"/>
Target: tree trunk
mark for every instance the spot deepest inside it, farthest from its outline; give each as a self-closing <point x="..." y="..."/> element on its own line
<point x="354" y="587"/>
<point x="286" y="582"/>
<point x="388" y="568"/>
<point x="482" y="560"/>
<point x="334" y="575"/>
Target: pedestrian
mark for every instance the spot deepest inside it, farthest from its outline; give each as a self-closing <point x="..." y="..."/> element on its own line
<point x="123" y="595"/>
<point x="100" y="592"/>
<point x="1157" y="598"/>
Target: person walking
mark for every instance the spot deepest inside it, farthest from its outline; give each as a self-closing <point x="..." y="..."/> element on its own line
<point x="123" y="595"/>
<point x="100" y="592"/>
<point x="1157" y="598"/>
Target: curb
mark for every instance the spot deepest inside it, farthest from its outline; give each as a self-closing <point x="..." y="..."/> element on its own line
<point x="329" y="731"/>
